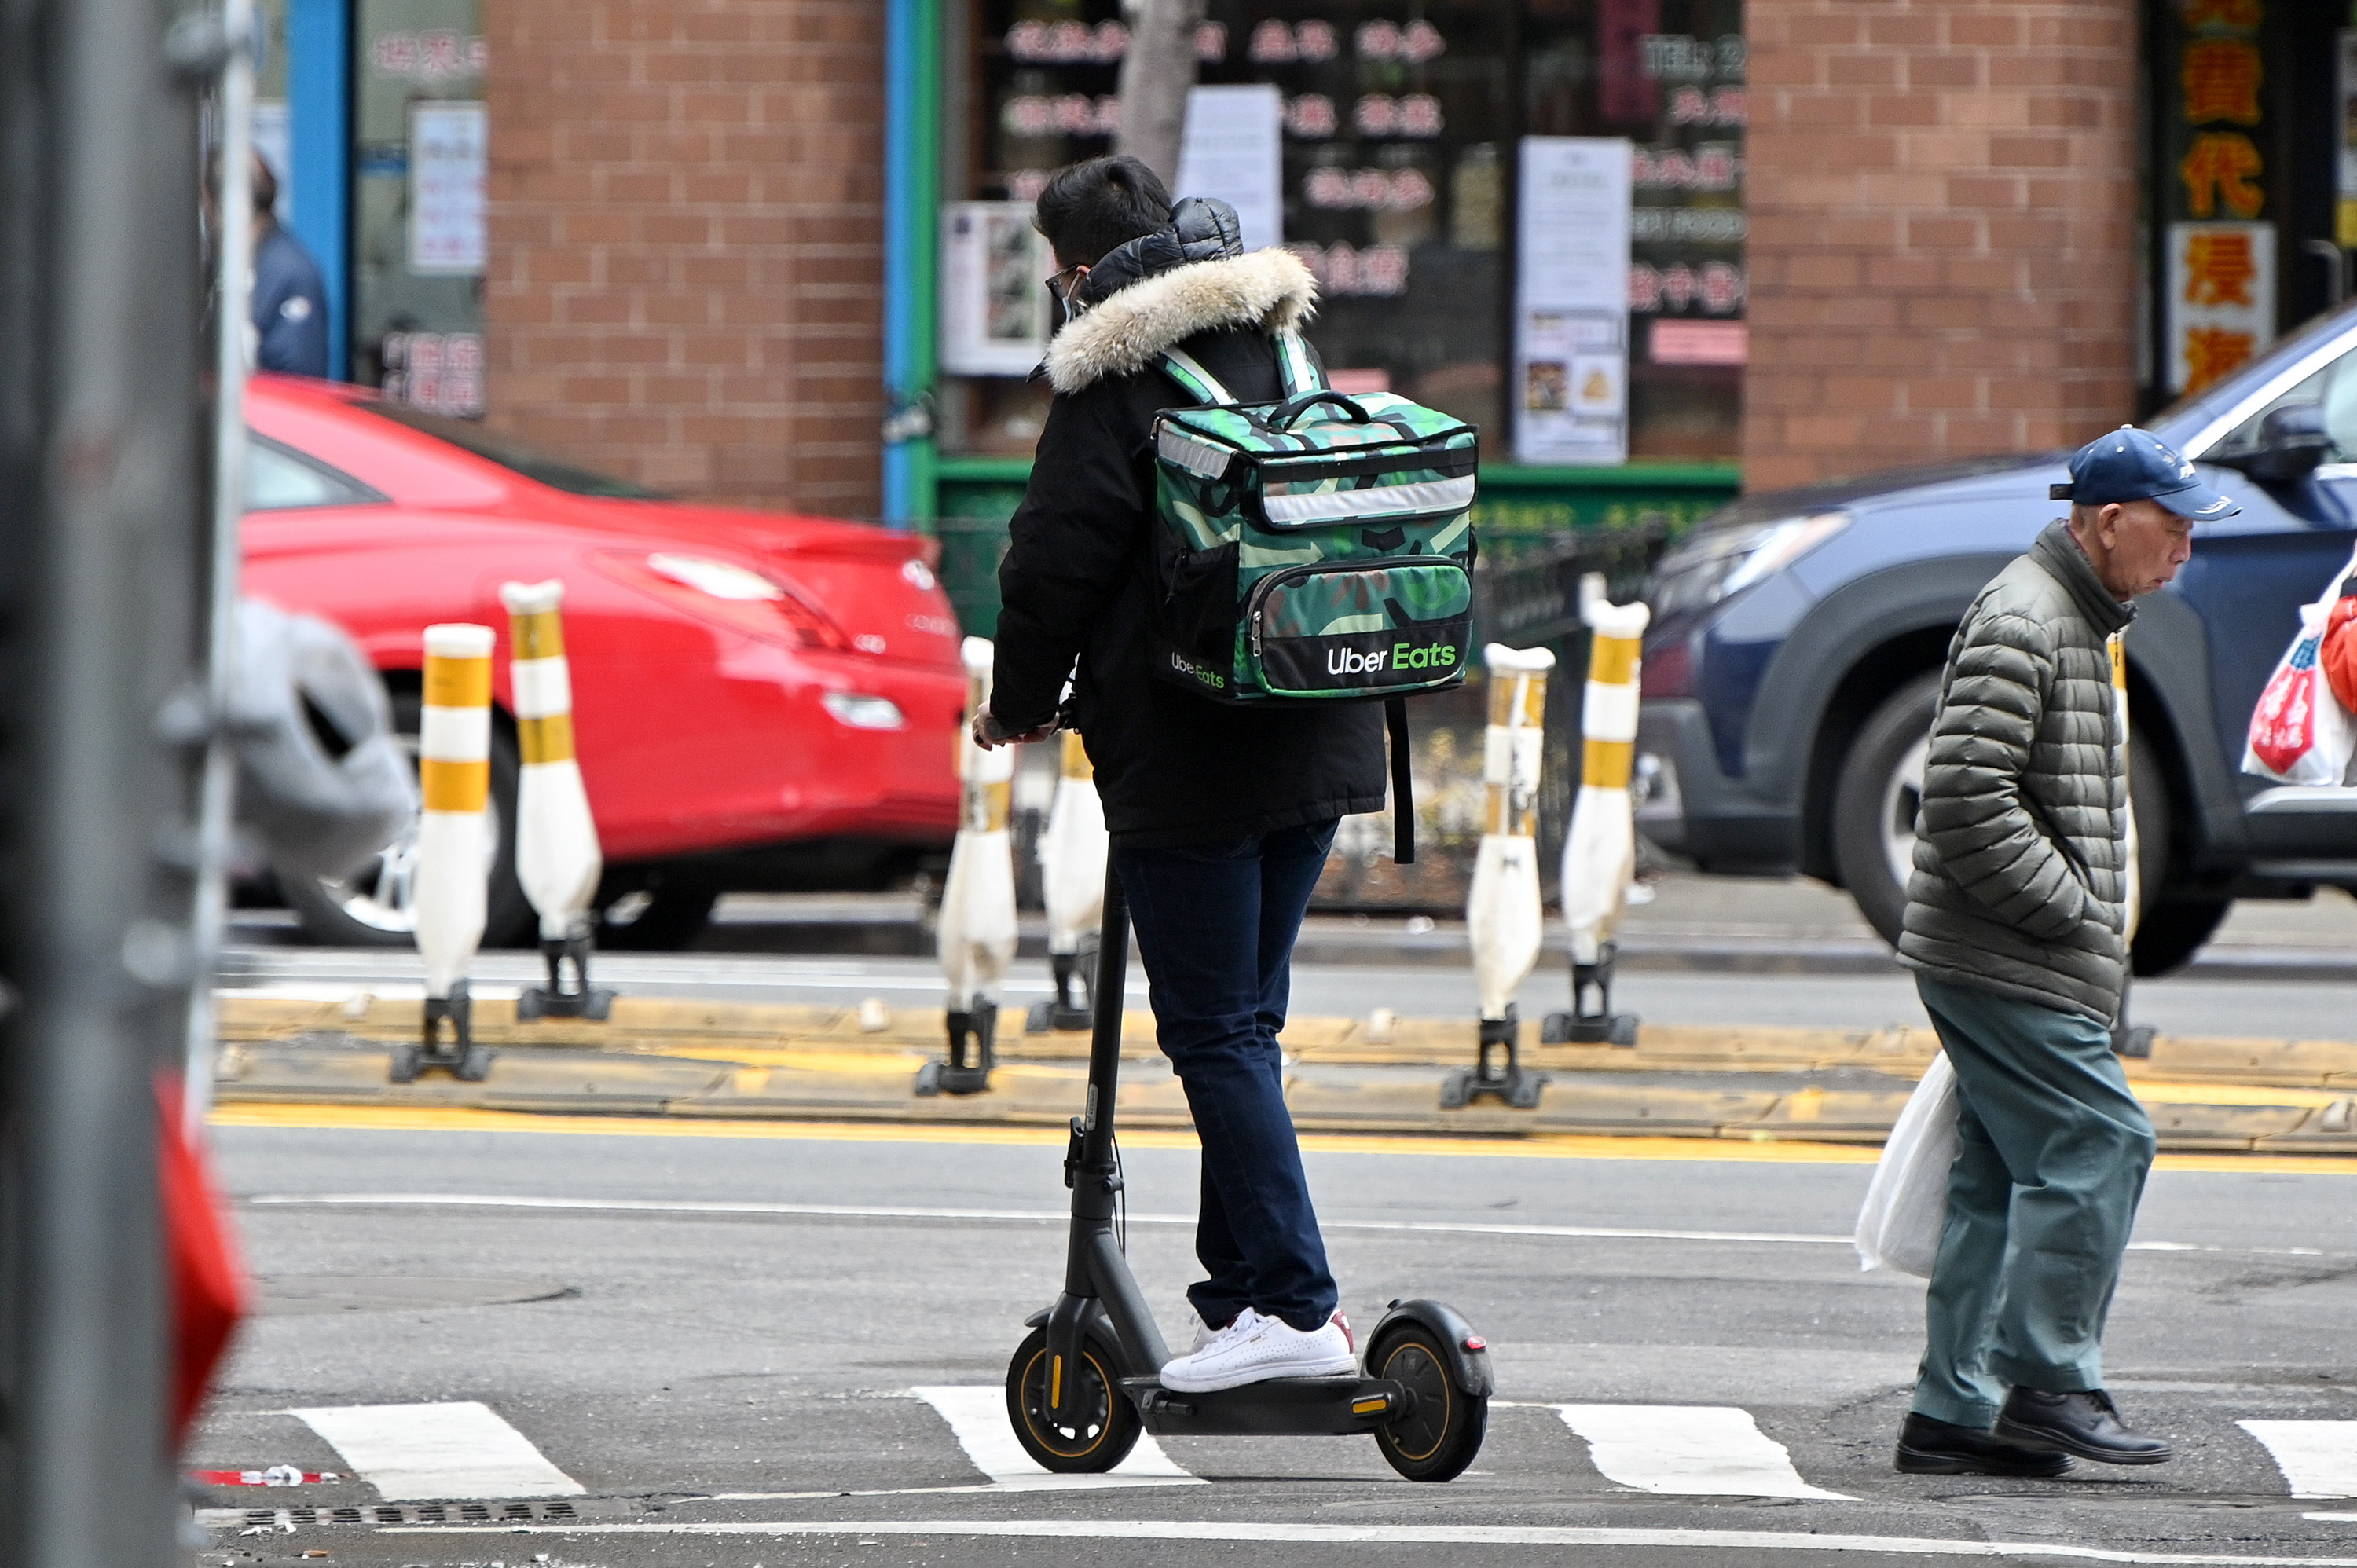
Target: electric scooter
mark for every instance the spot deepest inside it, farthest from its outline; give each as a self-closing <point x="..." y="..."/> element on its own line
<point x="1087" y="1380"/>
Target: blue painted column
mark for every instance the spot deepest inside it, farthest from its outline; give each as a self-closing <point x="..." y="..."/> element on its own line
<point x="319" y="134"/>
<point x="911" y="208"/>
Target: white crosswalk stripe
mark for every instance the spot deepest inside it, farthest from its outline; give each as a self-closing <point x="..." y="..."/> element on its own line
<point x="977" y="1417"/>
<point x="2318" y="1458"/>
<point x="1714" y="1451"/>
<point x="446" y="1453"/>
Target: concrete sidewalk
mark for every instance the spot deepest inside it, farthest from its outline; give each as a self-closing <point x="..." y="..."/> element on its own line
<point x="1693" y="923"/>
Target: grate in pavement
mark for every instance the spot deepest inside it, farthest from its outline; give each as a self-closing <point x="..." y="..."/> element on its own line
<point x="401" y="1513"/>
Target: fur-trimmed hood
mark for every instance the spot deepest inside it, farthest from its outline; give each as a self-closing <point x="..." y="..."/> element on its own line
<point x="1271" y="290"/>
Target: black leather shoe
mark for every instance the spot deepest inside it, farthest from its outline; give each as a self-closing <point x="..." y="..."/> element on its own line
<point x="1929" y="1447"/>
<point x="2087" y="1424"/>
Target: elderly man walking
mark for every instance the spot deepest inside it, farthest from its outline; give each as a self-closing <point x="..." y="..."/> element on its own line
<point x="2014" y="927"/>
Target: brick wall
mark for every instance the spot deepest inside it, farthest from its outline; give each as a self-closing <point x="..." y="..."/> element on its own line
<point x="686" y="239"/>
<point x="1943" y="197"/>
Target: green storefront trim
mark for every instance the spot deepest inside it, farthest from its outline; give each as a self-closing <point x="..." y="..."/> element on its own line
<point x="976" y="496"/>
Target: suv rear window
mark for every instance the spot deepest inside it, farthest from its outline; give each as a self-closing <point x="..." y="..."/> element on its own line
<point x="538" y="466"/>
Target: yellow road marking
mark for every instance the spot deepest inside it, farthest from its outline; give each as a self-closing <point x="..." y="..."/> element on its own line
<point x="1562" y="1146"/>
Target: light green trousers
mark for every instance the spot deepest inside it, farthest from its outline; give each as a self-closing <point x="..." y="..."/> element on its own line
<point x="2051" y="1152"/>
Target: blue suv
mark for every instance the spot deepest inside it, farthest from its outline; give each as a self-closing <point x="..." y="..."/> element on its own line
<point x="1794" y="657"/>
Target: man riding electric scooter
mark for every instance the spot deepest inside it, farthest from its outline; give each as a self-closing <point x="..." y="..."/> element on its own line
<point x="1220" y="816"/>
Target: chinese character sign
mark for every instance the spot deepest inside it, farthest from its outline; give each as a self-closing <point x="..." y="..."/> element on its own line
<point x="2216" y="192"/>
<point x="2222" y="299"/>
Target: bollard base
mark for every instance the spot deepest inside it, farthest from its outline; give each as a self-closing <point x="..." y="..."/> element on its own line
<point x="964" y="1070"/>
<point x="557" y="1001"/>
<point x="1062" y="1014"/>
<point x="460" y="1058"/>
<point x="1592" y="1021"/>
<point x="1508" y="1079"/>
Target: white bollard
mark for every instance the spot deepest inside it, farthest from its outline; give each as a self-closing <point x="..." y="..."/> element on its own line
<point x="1504" y="919"/>
<point x="978" y="924"/>
<point x="449" y="888"/>
<point x="1072" y="873"/>
<point x="557" y="858"/>
<point x="1599" y="851"/>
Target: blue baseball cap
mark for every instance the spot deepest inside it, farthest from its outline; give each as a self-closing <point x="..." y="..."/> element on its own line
<point x="2132" y="465"/>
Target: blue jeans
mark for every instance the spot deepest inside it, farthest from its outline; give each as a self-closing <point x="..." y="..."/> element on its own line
<point x="1215" y="927"/>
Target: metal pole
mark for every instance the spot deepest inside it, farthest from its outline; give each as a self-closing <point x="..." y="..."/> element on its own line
<point x="100" y="511"/>
<point x="233" y="288"/>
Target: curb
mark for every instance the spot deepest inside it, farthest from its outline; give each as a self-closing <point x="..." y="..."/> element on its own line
<point x="740" y="1062"/>
<point x="778" y="1035"/>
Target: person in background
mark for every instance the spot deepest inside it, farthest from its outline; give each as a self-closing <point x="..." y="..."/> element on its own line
<point x="290" y="302"/>
<point x="2014" y="920"/>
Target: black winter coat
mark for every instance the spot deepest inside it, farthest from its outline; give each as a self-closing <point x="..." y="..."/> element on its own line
<point x="1078" y="580"/>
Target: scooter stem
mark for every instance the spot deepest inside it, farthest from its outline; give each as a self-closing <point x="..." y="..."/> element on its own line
<point x="1097" y="1276"/>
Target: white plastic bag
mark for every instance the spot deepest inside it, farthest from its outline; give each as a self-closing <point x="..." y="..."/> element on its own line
<point x="2300" y="732"/>
<point x="1907" y="1203"/>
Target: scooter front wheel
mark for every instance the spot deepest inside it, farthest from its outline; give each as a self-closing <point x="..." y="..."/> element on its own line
<point x="1442" y="1430"/>
<point x="1106" y="1424"/>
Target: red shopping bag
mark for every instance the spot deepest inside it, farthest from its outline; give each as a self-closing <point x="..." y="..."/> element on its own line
<point x="2301" y="732"/>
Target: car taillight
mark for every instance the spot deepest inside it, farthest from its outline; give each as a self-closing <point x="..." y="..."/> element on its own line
<point x="724" y="595"/>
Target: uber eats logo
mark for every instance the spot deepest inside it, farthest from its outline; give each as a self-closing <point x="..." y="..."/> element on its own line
<point x="1398" y="656"/>
<point x="1185" y="666"/>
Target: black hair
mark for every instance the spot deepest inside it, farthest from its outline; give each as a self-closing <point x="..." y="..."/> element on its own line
<point x="265" y="185"/>
<point x="1091" y="208"/>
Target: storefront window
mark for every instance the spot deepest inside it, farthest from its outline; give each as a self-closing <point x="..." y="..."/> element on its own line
<point x="1400" y="122"/>
<point x="419" y="138"/>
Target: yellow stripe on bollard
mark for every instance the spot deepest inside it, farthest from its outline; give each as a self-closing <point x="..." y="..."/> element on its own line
<point x="1612" y="660"/>
<point x="458" y="683"/>
<point x="539" y="634"/>
<point x="1076" y="757"/>
<point x="449" y="786"/>
<point x="548" y="739"/>
<point x="1607" y="764"/>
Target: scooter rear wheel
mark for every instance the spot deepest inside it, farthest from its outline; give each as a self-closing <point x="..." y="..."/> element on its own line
<point x="1108" y="1424"/>
<point x="1439" y="1436"/>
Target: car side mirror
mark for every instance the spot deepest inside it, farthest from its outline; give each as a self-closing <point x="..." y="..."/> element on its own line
<point x="2292" y="442"/>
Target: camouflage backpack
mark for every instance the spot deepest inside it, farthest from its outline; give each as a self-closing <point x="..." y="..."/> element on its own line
<point x="1317" y="549"/>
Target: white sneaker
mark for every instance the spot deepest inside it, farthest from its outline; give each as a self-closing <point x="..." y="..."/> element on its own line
<point x="1254" y="1349"/>
<point x="1200" y="1333"/>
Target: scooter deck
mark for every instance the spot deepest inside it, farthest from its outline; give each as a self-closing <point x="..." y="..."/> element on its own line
<point x="1281" y="1407"/>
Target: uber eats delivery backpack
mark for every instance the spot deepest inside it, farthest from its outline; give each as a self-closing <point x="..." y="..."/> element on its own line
<point x="1318" y="549"/>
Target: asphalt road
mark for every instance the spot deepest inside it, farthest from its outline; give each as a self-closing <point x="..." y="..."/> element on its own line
<point x="702" y="1380"/>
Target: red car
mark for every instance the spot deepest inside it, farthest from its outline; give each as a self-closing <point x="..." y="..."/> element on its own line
<point x="761" y="701"/>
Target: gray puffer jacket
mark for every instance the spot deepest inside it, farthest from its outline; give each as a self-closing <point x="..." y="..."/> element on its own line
<point x="2021" y="851"/>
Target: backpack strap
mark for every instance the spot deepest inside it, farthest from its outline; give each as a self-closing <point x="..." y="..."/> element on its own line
<point x="1294" y="363"/>
<point x="1194" y="380"/>
<point x="1403" y="784"/>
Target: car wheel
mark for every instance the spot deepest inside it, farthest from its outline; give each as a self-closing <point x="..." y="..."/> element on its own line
<point x="662" y="918"/>
<point x="1879" y="792"/>
<point x="369" y="906"/>
<point x="1877" y="795"/>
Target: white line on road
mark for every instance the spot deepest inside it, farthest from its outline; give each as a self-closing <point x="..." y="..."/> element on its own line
<point x="445" y="1452"/>
<point x="1053" y="1216"/>
<point x="1406" y="1535"/>
<point x="2318" y="1458"/>
<point x="977" y="1417"/>
<point x="1695" y="1451"/>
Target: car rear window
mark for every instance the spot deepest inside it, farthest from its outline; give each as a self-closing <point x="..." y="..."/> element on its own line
<point x="554" y="472"/>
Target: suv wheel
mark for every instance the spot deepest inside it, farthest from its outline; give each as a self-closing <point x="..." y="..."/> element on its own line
<point x="1879" y="791"/>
